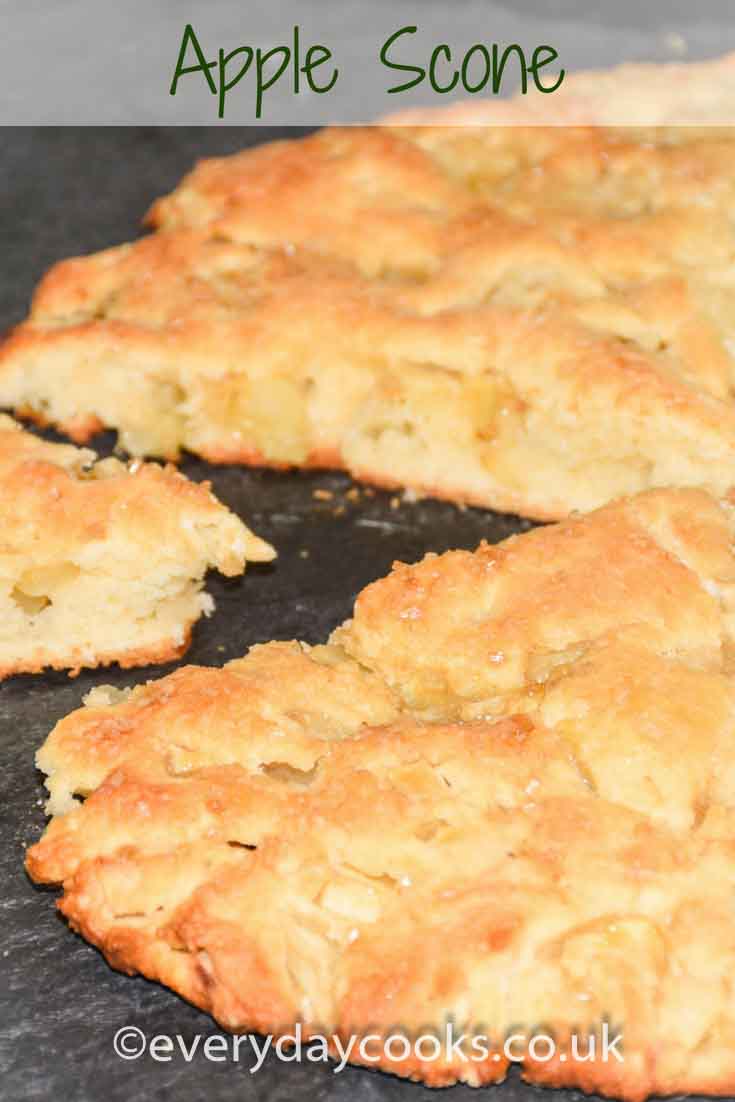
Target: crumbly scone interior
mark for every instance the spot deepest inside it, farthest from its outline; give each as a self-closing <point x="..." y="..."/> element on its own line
<point x="102" y="561"/>
<point x="503" y="793"/>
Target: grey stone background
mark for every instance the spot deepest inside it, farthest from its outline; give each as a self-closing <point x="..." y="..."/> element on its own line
<point x="106" y="62"/>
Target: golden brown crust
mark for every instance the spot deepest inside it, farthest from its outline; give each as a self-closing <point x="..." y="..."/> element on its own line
<point x="79" y="429"/>
<point x="80" y="535"/>
<point x="77" y="659"/>
<point x="503" y="794"/>
<point x="385" y="207"/>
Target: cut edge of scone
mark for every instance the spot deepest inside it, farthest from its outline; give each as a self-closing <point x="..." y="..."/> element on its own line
<point x="103" y="562"/>
<point x="532" y="411"/>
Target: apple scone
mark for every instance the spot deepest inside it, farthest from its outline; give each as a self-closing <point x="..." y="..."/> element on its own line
<point x="104" y="562"/>
<point x="502" y="794"/>
<point x="533" y="368"/>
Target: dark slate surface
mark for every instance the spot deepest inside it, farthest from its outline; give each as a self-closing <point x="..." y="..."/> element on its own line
<point x="67" y="191"/>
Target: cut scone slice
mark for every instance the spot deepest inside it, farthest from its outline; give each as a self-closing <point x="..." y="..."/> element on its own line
<point x="535" y="402"/>
<point x="532" y="319"/>
<point x="502" y="795"/>
<point x="102" y="562"/>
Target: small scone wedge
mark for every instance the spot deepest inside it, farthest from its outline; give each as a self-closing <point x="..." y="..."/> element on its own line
<point x="503" y="794"/>
<point x="104" y="562"/>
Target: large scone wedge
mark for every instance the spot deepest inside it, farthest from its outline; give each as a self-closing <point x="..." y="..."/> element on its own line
<point x="532" y="370"/>
<point x="103" y="562"/>
<point x="502" y="795"/>
<point x="536" y="319"/>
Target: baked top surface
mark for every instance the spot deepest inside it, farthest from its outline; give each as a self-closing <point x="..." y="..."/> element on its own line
<point x="534" y="319"/>
<point x="502" y="792"/>
<point x="86" y="491"/>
